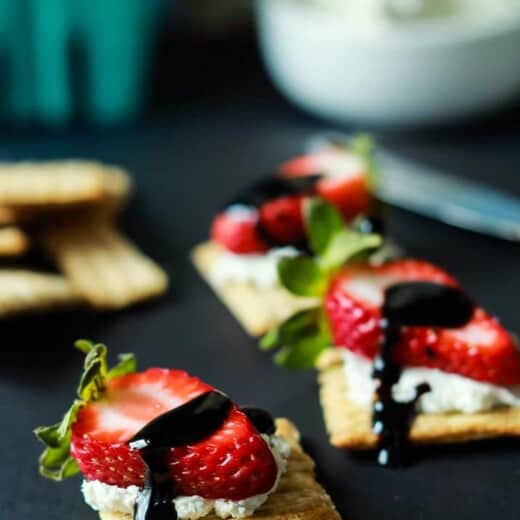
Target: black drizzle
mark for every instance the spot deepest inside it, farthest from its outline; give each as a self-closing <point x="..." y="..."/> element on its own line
<point x="275" y="186"/>
<point x="187" y="424"/>
<point x="421" y="304"/>
<point x="263" y="421"/>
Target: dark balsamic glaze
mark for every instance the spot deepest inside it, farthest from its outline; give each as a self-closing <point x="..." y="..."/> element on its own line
<point x="263" y="421"/>
<point x="420" y="304"/>
<point x="187" y="424"/>
<point x="275" y="186"/>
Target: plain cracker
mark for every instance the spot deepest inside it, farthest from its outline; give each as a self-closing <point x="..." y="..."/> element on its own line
<point x="101" y="264"/>
<point x="257" y="310"/>
<point x="298" y="497"/>
<point x="27" y="188"/>
<point x="349" y="425"/>
<point x="29" y="291"/>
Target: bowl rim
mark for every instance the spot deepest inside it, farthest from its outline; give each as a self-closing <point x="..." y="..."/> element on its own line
<point x="423" y="33"/>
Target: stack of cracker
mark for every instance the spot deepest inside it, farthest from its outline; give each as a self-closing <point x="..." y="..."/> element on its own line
<point x="69" y="209"/>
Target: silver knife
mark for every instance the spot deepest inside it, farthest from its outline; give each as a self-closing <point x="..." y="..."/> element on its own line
<point x="424" y="190"/>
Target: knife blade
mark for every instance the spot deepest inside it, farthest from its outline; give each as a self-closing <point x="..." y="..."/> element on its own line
<point x="425" y="190"/>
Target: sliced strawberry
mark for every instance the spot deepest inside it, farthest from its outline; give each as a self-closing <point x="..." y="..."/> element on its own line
<point x="345" y="183"/>
<point x="282" y="219"/>
<point x="237" y="230"/>
<point x="481" y="350"/>
<point x="350" y="195"/>
<point x="234" y="462"/>
<point x="308" y="164"/>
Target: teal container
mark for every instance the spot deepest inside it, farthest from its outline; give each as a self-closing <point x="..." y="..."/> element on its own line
<point x="64" y="58"/>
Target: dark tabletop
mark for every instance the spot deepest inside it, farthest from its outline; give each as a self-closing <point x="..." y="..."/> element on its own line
<point x="212" y="140"/>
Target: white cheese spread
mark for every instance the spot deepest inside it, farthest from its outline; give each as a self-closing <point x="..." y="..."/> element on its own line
<point x="449" y="392"/>
<point x="259" y="270"/>
<point x="114" y="499"/>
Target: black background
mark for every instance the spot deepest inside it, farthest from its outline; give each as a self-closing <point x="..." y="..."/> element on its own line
<point x="216" y="124"/>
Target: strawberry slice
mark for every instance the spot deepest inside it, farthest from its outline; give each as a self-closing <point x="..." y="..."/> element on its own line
<point x="233" y="463"/>
<point x="481" y="350"/>
<point x="282" y="219"/>
<point x="345" y="183"/>
<point x="236" y="229"/>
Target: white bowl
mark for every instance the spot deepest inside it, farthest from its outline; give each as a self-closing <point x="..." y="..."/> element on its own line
<point x="412" y="75"/>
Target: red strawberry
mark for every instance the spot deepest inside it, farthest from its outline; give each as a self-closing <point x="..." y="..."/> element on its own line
<point x="234" y="462"/>
<point x="282" y="219"/>
<point x="481" y="350"/>
<point x="237" y="230"/>
<point x="345" y="183"/>
<point x="350" y="195"/>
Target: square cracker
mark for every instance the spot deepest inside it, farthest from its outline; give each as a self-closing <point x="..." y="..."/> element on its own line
<point x="298" y="497"/>
<point x="349" y="425"/>
<point x="101" y="264"/>
<point x="30" y="291"/>
<point x="257" y="309"/>
<point x="27" y="188"/>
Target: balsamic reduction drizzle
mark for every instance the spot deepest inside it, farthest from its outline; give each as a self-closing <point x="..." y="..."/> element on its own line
<point x="187" y="424"/>
<point x="274" y="186"/>
<point x="262" y="420"/>
<point x="420" y="304"/>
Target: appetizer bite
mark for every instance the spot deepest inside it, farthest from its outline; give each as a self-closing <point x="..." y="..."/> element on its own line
<point x="162" y="444"/>
<point x="266" y="223"/>
<point x="403" y="352"/>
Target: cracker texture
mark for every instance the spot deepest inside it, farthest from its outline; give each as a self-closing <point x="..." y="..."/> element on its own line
<point x="298" y="497"/>
<point x="101" y="264"/>
<point x="349" y="425"/>
<point x="257" y="309"/>
<point x="29" y="291"/>
<point x="28" y="187"/>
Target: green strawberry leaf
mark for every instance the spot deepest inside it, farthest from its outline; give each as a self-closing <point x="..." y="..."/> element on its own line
<point x="55" y="461"/>
<point x="347" y="244"/>
<point x="334" y="244"/>
<point x="300" y="339"/>
<point x="293" y="327"/>
<point x="127" y="365"/>
<point x="57" y="464"/>
<point x="302" y="276"/>
<point x="322" y="221"/>
<point x="363" y="145"/>
<point x="303" y="354"/>
<point x="48" y="435"/>
<point x="93" y="379"/>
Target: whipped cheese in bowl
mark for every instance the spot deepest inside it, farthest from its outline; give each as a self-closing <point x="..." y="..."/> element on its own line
<point x="449" y="392"/>
<point x="371" y="16"/>
<point x="115" y="499"/>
